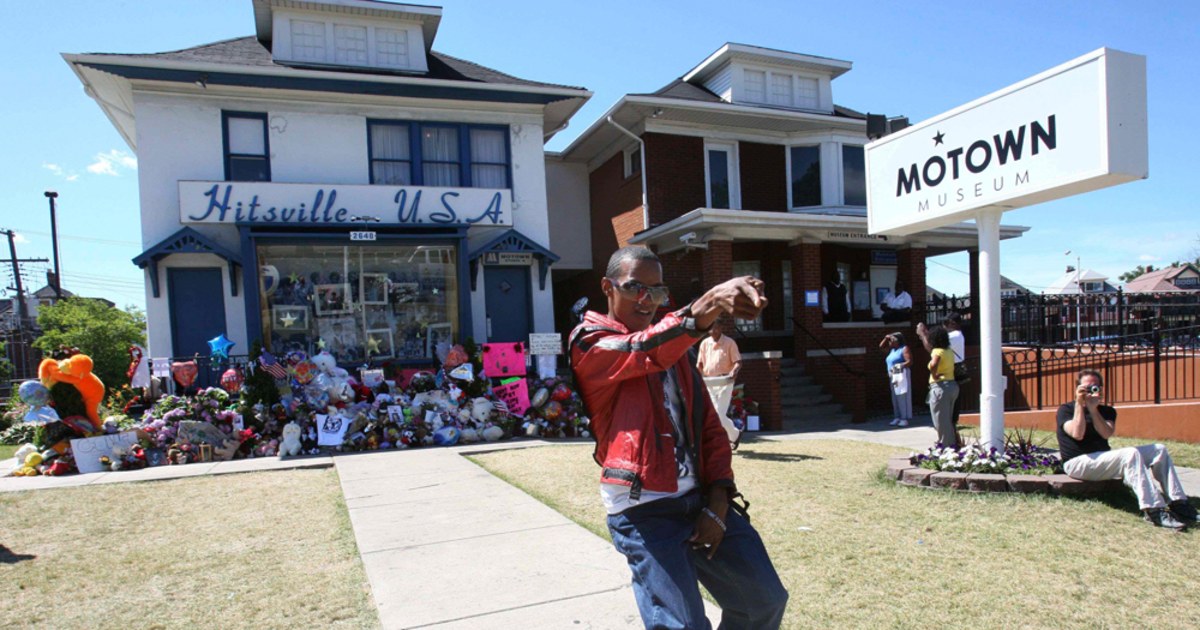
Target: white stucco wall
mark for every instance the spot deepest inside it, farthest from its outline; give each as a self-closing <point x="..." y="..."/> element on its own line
<point x="322" y="141"/>
<point x="568" y="200"/>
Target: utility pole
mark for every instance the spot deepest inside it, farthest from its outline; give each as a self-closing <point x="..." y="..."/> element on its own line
<point x="51" y="195"/>
<point x="20" y="309"/>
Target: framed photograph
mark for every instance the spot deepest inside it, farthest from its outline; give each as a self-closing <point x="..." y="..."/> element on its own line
<point x="332" y="299"/>
<point x="373" y="287"/>
<point x="405" y="292"/>
<point x="378" y="344"/>
<point x="435" y="334"/>
<point x="289" y="318"/>
<point x="880" y="294"/>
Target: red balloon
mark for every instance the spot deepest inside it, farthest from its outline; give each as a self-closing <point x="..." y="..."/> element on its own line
<point x="561" y="393"/>
<point x="184" y="372"/>
<point x="552" y="410"/>
<point x="231" y="380"/>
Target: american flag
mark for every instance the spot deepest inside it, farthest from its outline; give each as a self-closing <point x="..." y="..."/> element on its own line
<point x="271" y="366"/>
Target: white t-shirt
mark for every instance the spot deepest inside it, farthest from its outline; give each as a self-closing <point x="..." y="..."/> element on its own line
<point x="898" y="302"/>
<point x="616" y="497"/>
<point x="959" y="345"/>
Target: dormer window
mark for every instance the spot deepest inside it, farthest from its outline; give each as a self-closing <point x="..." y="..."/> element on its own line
<point x="779" y="88"/>
<point x="348" y="41"/>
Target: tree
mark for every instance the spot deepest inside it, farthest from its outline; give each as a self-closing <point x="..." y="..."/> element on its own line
<point x="1134" y="273"/>
<point x="100" y="331"/>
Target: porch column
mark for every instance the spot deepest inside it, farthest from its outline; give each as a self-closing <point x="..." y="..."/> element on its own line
<point x="805" y="256"/>
<point x="911" y="272"/>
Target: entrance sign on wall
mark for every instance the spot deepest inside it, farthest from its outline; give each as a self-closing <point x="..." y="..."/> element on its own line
<point x="1078" y="127"/>
<point x="268" y="203"/>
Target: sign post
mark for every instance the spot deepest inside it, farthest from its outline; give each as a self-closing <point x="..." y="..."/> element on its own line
<point x="1078" y="127"/>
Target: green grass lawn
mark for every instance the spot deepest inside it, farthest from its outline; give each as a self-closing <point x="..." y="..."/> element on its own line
<point x="256" y="550"/>
<point x="858" y="551"/>
<point x="7" y="450"/>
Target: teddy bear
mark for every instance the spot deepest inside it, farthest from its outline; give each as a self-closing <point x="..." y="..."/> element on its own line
<point x="291" y="440"/>
<point x="76" y="371"/>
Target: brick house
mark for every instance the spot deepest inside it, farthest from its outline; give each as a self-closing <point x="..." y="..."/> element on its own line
<point x="744" y="165"/>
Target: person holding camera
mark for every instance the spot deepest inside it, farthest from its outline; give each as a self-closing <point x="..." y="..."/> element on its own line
<point x="1084" y="426"/>
<point x="943" y="389"/>
<point x="898" y="360"/>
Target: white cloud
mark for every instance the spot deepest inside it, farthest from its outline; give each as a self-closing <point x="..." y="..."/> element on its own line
<point x="112" y="163"/>
<point x="1149" y="258"/>
<point x="60" y="171"/>
<point x="19" y="238"/>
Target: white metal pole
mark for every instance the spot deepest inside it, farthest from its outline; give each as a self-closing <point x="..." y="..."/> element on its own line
<point x="991" y="395"/>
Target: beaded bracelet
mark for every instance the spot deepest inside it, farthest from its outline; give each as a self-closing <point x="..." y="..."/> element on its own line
<point x="717" y="519"/>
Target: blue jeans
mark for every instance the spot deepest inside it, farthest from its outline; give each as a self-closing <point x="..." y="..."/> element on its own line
<point x="653" y="537"/>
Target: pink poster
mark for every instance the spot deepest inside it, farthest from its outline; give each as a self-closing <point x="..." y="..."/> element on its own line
<point x="502" y="360"/>
<point x="515" y="395"/>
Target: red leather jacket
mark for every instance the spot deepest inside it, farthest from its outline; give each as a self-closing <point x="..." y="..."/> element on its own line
<point x="619" y="375"/>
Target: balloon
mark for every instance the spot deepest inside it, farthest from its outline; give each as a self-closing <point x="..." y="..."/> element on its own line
<point x="304" y="371"/>
<point x="561" y="393"/>
<point x="552" y="410"/>
<point x="464" y="372"/>
<point x="540" y="397"/>
<point x="322" y="382"/>
<point x="446" y="436"/>
<point x="33" y="394"/>
<point x="231" y="380"/>
<point x="184" y="373"/>
<point x="456" y="357"/>
<point x="219" y="346"/>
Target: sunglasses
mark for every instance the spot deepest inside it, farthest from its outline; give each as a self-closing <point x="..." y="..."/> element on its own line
<point x="638" y="291"/>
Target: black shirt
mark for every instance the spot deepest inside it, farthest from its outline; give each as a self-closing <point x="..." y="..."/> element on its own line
<point x="1069" y="447"/>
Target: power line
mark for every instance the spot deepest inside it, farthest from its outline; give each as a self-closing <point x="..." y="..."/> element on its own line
<point x="80" y="238"/>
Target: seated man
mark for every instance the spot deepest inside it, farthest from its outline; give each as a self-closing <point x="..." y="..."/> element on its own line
<point x="1084" y="427"/>
<point x="897" y="305"/>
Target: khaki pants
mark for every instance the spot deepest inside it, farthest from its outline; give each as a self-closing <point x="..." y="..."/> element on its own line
<point x="1138" y="467"/>
<point x="720" y="390"/>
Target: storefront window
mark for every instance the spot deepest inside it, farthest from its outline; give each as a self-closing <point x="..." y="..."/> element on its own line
<point x="360" y="303"/>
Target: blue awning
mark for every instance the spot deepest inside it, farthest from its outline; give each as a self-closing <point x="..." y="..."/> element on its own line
<point x="513" y="241"/>
<point x="186" y="241"/>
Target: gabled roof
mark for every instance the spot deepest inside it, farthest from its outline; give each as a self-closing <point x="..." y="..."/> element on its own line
<point x="1007" y="284"/>
<point x="1159" y="280"/>
<point x="1070" y="281"/>
<point x="249" y="52"/>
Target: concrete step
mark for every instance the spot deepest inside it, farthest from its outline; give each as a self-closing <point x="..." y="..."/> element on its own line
<point x="799" y="389"/>
<point x="804" y="400"/>
<point x="790" y="363"/>
<point x="790" y="382"/>
<point x="791" y="371"/>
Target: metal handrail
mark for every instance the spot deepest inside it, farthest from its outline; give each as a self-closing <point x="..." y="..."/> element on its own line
<point x="845" y="366"/>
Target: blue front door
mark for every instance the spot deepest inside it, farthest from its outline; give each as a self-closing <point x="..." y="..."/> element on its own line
<point x="197" y="302"/>
<point x="506" y="291"/>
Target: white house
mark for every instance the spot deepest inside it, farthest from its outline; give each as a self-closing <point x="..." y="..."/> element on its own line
<point x="333" y="182"/>
<point x="1076" y="281"/>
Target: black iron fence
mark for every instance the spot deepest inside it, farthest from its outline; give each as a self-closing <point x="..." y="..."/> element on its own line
<point x="172" y="373"/>
<point x="1052" y="320"/>
<point x="1150" y="367"/>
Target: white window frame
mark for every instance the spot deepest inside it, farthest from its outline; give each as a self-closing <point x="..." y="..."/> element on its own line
<point x="748" y="325"/>
<point x="820" y="147"/>
<point x="735" y="184"/>
<point x="632" y="160"/>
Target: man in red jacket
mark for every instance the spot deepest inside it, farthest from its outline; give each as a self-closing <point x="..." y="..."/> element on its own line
<point x="666" y="479"/>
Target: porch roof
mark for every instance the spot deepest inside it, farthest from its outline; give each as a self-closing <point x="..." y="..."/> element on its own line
<point x="698" y="226"/>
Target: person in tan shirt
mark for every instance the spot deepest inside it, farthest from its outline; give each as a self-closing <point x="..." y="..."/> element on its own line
<point x="719" y="362"/>
<point x="719" y="355"/>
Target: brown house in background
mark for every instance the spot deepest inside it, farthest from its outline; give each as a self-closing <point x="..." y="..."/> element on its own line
<point x="745" y="166"/>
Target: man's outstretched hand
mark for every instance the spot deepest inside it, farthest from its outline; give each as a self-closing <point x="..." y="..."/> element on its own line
<point x="743" y="298"/>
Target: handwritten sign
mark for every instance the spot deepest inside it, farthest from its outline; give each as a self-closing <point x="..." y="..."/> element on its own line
<point x="515" y="395"/>
<point x="501" y="360"/>
<point x="371" y="378"/>
<point x="545" y="343"/>
<point x="88" y="451"/>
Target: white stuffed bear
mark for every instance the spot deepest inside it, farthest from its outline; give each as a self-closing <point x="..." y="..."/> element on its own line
<point x="291" y="440"/>
<point x="481" y="409"/>
<point x="328" y="365"/>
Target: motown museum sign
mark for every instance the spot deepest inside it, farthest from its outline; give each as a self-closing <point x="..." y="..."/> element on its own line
<point x="1072" y="129"/>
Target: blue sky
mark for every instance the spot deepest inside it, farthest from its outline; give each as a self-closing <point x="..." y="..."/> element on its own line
<point x="918" y="61"/>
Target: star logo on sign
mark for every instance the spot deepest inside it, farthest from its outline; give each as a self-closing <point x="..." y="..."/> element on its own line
<point x="938" y="138"/>
<point x="287" y="319"/>
<point x="372" y="345"/>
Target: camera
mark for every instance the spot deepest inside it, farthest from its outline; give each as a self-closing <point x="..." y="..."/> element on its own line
<point x="1092" y="389"/>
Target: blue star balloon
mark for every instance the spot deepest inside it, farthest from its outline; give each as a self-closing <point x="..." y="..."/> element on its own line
<point x="219" y="346"/>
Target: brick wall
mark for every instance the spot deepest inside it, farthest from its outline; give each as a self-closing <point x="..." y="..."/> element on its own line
<point x="763" y="176"/>
<point x="761" y="377"/>
<point x="912" y="273"/>
<point x="675" y="168"/>
<point x="716" y="263"/>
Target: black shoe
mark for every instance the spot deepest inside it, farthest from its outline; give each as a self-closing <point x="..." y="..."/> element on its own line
<point x="1161" y="517"/>
<point x="1183" y="511"/>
